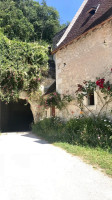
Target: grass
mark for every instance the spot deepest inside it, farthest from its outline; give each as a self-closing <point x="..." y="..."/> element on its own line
<point x="88" y="138"/>
<point x="97" y="157"/>
<point x="94" y="156"/>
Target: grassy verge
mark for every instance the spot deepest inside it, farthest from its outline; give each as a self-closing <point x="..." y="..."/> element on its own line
<point x="96" y="157"/>
<point x="88" y="138"/>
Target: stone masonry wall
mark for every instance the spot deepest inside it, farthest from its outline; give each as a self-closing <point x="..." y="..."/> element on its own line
<point x="84" y="59"/>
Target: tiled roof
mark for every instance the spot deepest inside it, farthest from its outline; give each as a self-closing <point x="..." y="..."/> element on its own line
<point x="86" y="20"/>
<point x="58" y="36"/>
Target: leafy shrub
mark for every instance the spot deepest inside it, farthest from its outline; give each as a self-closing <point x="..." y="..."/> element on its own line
<point x="94" y="132"/>
<point x="51" y="129"/>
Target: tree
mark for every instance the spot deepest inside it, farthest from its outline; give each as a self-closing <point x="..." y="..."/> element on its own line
<point x="28" y="20"/>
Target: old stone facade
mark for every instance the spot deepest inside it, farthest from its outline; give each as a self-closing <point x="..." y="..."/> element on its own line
<point x="86" y="58"/>
<point x="84" y="52"/>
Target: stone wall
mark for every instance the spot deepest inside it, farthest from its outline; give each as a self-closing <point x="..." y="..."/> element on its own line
<point x="84" y="59"/>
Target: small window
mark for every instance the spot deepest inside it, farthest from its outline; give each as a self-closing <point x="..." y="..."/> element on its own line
<point x="91" y="101"/>
<point x="92" y="11"/>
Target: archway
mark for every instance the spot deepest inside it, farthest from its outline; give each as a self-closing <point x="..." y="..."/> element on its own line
<point x="16" y="116"/>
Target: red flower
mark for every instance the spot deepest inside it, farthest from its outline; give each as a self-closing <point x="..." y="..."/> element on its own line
<point x="101" y="86"/>
<point x="100" y="82"/>
<point x="80" y="87"/>
<point x="108" y="87"/>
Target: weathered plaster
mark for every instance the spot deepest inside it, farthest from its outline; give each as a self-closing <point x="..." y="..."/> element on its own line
<point x="84" y="59"/>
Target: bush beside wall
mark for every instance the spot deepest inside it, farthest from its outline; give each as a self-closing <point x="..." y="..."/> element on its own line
<point x="93" y="132"/>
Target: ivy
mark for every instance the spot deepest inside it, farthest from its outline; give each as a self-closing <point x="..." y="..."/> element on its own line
<point x="22" y="67"/>
<point x="54" y="99"/>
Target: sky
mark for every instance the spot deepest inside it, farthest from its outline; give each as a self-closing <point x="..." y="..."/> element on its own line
<point x="66" y="8"/>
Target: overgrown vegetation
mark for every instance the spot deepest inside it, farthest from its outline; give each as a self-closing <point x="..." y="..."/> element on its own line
<point x="27" y="20"/>
<point x="103" y="89"/>
<point x="55" y="99"/>
<point x="93" y="132"/>
<point x="89" y="138"/>
<point x="26" y="28"/>
<point x="23" y="66"/>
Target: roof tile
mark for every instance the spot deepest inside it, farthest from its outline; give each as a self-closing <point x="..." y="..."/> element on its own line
<point x="86" y="20"/>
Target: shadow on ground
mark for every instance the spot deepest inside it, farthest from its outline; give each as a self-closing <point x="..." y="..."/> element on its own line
<point x="38" y="139"/>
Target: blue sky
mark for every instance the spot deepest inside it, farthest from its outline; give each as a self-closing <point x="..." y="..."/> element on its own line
<point x="66" y="8"/>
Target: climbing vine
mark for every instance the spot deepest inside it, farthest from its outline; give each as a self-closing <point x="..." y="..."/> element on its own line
<point x="103" y="89"/>
<point x="22" y="67"/>
<point x="55" y="99"/>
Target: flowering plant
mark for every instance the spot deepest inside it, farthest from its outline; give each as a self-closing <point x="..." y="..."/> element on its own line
<point x="22" y="67"/>
<point x="100" y="82"/>
<point x="54" y="99"/>
<point x="102" y="88"/>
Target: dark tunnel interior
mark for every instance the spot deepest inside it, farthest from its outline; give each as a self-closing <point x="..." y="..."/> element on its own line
<point x="16" y="116"/>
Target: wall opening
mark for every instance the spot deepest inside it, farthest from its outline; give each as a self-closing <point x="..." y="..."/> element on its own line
<point x="16" y="116"/>
<point x="91" y="101"/>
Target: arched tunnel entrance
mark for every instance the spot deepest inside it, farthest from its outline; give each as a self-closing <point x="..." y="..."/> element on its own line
<point x="16" y="116"/>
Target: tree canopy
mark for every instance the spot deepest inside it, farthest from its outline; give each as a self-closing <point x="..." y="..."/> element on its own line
<point x="27" y="20"/>
<point x="26" y="28"/>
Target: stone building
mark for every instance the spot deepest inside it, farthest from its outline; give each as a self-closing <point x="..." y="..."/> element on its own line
<point x="84" y="52"/>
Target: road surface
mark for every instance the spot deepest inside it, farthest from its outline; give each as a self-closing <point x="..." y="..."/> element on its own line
<point x="31" y="169"/>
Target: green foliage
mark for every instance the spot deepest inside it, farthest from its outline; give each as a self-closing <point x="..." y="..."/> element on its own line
<point x="93" y="132"/>
<point x="103" y="90"/>
<point x="51" y="129"/>
<point x="23" y="66"/>
<point x="54" y="99"/>
<point x="27" y="20"/>
<point x="14" y="23"/>
<point x="96" y="156"/>
<point x="83" y="91"/>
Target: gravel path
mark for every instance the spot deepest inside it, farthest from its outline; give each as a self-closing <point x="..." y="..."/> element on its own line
<point x="31" y="169"/>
